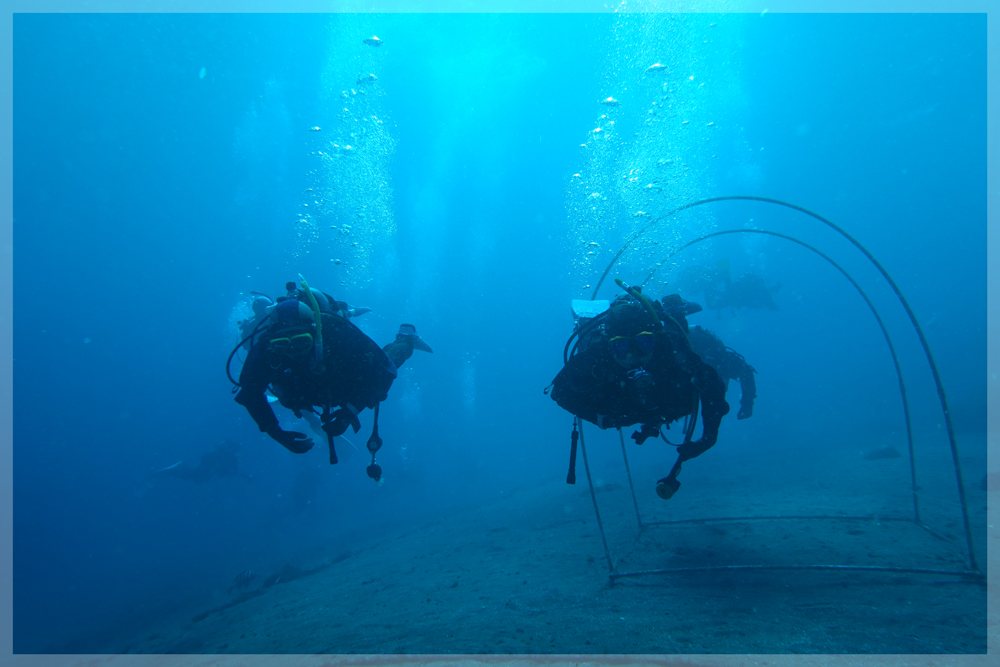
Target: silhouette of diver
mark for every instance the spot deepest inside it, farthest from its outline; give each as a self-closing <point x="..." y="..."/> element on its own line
<point x="221" y="461"/>
<point x="720" y="291"/>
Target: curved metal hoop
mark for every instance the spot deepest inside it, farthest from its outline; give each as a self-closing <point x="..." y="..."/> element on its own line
<point x="895" y="288"/>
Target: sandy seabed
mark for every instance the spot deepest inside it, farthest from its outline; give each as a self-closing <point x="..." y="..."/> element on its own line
<point x="527" y="574"/>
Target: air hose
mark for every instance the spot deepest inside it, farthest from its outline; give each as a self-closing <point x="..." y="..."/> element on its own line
<point x="317" y="365"/>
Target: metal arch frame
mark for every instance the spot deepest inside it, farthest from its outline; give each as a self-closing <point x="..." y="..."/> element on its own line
<point x="972" y="572"/>
<point x="613" y="574"/>
<point x="939" y="385"/>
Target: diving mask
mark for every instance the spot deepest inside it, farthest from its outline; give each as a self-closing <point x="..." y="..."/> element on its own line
<point x="292" y="347"/>
<point x="644" y="341"/>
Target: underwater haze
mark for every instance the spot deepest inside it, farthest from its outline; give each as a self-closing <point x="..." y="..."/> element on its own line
<point x="463" y="175"/>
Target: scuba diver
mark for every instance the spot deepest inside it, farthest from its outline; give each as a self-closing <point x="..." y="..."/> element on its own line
<point x="727" y="362"/>
<point x="261" y="306"/>
<point x="633" y="364"/>
<point x="308" y="353"/>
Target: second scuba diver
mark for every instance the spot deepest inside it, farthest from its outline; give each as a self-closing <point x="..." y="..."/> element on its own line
<point x="308" y="353"/>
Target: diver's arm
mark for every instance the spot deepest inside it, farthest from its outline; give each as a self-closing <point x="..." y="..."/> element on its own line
<point x="260" y="410"/>
<point x="254" y="379"/>
<point x="713" y="409"/>
<point x="258" y="407"/>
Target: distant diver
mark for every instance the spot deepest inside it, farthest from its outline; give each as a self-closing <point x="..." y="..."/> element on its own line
<point x="720" y="291"/>
<point x="748" y="291"/>
<point x="309" y="355"/>
<point x="633" y="364"/>
<point x="260" y="305"/>
<point x="221" y="461"/>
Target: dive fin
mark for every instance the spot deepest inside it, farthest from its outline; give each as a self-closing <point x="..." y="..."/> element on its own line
<point x="408" y="331"/>
<point x="419" y="344"/>
<point x="168" y="468"/>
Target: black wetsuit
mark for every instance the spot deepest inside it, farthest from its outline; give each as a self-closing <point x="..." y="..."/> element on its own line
<point x="594" y="387"/>
<point x="356" y="375"/>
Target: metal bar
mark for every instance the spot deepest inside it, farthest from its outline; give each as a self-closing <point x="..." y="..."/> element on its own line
<point x="772" y="518"/>
<point x="630" y="485"/>
<point x="933" y="532"/>
<point x="597" y="512"/>
<point x="853" y="568"/>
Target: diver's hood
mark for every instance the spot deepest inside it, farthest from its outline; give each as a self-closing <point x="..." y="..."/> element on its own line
<point x="290" y="311"/>
<point x="628" y="320"/>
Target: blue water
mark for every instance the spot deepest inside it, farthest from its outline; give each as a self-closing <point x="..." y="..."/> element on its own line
<point x="164" y="167"/>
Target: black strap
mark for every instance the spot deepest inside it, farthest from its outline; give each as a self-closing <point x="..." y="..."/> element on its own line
<point x="374" y="444"/>
<point x="325" y="418"/>
<point x="571" y="476"/>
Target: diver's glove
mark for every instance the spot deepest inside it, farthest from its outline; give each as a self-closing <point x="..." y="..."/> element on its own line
<point x="647" y="431"/>
<point x="293" y="441"/>
<point x="745" y="411"/>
